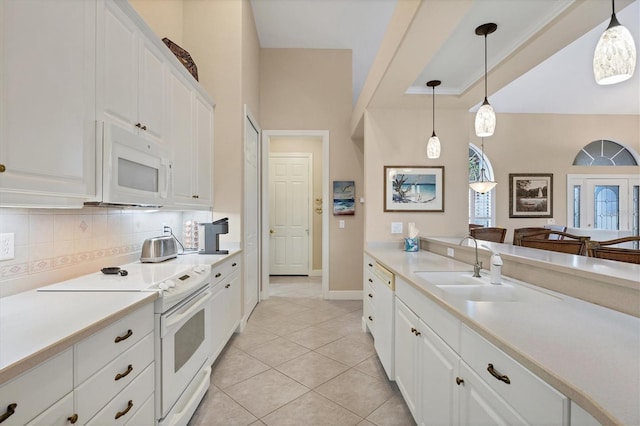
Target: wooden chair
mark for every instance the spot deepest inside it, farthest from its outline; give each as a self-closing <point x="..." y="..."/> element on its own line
<point x="603" y="250"/>
<point x="475" y="225"/>
<point x="519" y="233"/>
<point x="556" y="241"/>
<point x="560" y="228"/>
<point x="494" y="234"/>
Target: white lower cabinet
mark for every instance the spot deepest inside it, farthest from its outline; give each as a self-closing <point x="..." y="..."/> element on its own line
<point x="449" y="375"/>
<point x="109" y="372"/>
<point x="226" y="302"/>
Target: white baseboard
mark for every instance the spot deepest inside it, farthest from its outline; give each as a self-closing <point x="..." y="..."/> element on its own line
<point x="315" y="273"/>
<point x="345" y="295"/>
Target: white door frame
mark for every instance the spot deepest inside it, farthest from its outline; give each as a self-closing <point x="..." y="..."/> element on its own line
<point x="266" y="140"/>
<point x="245" y="315"/>
<point x="309" y="157"/>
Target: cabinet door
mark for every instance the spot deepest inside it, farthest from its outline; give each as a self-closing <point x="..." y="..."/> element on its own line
<point x="438" y="388"/>
<point x="407" y="368"/>
<point x="480" y="405"/>
<point x="181" y="139"/>
<point x="118" y="66"/>
<point x="383" y="313"/>
<point x="203" y="133"/>
<point x="47" y="113"/>
<point x="235" y="301"/>
<point x="152" y="97"/>
<point x="59" y="414"/>
<point x="219" y="325"/>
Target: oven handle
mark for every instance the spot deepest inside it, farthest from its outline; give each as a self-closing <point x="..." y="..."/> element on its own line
<point x="186" y="311"/>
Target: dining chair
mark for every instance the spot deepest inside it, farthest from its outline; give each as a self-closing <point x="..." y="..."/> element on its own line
<point x="494" y="234"/>
<point x="556" y="241"/>
<point x="475" y="225"/>
<point x="607" y="249"/>
<point x="519" y="233"/>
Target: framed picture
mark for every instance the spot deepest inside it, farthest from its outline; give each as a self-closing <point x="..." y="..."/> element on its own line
<point x="344" y="198"/>
<point x="413" y="189"/>
<point x="530" y="195"/>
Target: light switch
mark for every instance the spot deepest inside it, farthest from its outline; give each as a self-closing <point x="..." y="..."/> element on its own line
<point x="7" y="250"/>
<point x="396" y="227"/>
<point x="341" y="224"/>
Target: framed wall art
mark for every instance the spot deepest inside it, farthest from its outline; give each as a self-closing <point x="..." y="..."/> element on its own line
<point x="530" y="195"/>
<point x="344" y="198"/>
<point x="413" y="189"/>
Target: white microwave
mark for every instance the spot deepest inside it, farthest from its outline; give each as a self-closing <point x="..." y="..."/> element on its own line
<point x="132" y="171"/>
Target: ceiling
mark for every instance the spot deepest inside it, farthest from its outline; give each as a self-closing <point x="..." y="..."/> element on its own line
<point x="360" y="25"/>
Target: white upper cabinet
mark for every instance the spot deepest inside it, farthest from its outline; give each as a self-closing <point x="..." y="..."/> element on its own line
<point x="47" y="98"/>
<point x="131" y="75"/>
<point x="191" y="135"/>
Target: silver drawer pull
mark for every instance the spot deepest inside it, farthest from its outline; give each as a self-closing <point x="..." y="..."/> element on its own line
<point x="497" y="375"/>
<point x="126" y="410"/>
<point x="125" y="374"/>
<point x="11" y="409"/>
<point x="125" y="337"/>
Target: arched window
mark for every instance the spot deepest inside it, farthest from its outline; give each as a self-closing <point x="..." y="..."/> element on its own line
<point x="604" y="153"/>
<point x="481" y="206"/>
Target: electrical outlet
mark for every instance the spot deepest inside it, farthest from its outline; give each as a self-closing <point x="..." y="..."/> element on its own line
<point x="450" y="252"/>
<point x="341" y="224"/>
<point x="551" y="221"/>
<point x="396" y="227"/>
<point x="7" y="249"/>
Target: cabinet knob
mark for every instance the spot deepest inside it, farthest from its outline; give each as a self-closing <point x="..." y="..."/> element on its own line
<point x="11" y="409"/>
<point x="370" y="280"/>
<point x="233" y="264"/>
<point x="370" y="318"/>
<point x="371" y="295"/>
<point x="144" y="127"/>
<point x="138" y="125"/>
<point x="459" y="381"/>
<point x="218" y="275"/>
<point x="227" y="286"/>
<point x="2" y="168"/>
<point x="498" y="376"/>
<point x="370" y="265"/>
<point x="73" y="419"/>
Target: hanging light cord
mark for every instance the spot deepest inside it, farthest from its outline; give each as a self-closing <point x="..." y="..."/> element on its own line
<point x="485" y="67"/>
<point x="433" y="112"/>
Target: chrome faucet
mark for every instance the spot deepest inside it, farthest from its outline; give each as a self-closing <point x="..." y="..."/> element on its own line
<point x="478" y="265"/>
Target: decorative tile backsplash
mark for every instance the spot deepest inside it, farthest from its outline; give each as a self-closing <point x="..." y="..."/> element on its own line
<point x="50" y="239"/>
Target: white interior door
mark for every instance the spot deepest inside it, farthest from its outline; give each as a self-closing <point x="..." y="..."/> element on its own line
<point x="289" y="192"/>
<point x="251" y="214"/>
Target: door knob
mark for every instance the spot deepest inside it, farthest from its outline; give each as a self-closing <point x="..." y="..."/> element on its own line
<point x="271" y="231"/>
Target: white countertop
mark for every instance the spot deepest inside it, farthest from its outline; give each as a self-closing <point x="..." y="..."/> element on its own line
<point x="35" y="326"/>
<point x="587" y="352"/>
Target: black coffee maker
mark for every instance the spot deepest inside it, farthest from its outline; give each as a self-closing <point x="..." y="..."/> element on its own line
<point x="210" y="244"/>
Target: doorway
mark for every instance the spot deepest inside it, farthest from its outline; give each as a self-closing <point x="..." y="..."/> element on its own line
<point x="251" y="225"/>
<point x="292" y="144"/>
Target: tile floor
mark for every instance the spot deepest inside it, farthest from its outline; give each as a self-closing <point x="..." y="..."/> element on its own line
<point x="301" y="361"/>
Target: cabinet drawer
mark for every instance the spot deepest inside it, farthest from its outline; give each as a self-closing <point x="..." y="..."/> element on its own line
<point x="98" y="349"/>
<point x="37" y="389"/>
<point x="56" y="415"/>
<point x="102" y="386"/>
<point x="121" y="409"/>
<point x="442" y="322"/>
<point x="220" y="272"/>
<point x="531" y="397"/>
<point x="369" y="263"/>
<point x="145" y="415"/>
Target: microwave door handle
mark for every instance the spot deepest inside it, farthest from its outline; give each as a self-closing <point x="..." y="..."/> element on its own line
<point x="167" y="177"/>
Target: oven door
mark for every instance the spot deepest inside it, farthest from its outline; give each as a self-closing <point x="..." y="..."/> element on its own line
<point x="185" y="342"/>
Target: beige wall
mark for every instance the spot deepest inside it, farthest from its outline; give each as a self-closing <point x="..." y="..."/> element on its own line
<point x="522" y="143"/>
<point x="164" y="17"/>
<point x="314" y="147"/>
<point x="310" y="89"/>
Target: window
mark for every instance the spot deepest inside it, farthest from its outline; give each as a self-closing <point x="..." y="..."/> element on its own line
<point x="604" y="153"/>
<point x="481" y="206"/>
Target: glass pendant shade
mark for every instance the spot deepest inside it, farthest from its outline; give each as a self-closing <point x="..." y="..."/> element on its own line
<point x="433" y="146"/>
<point x="614" y="59"/>
<point x="483" y="184"/>
<point x="485" y="120"/>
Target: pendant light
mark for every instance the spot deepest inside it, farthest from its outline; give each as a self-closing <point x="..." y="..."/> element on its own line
<point x="615" y="57"/>
<point x="433" y="146"/>
<point x="483" y="184"/>
<point x="486" y="116"/>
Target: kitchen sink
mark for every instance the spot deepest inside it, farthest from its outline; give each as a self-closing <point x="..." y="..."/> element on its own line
<point x="464" y="286"/>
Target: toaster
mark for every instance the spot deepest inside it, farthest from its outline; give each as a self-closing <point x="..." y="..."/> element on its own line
<point x="158" y="249"/>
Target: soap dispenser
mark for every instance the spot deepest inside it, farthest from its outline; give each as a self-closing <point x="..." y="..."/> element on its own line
<point x="496" y="268"/>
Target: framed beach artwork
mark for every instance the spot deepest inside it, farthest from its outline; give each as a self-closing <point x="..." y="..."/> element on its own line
<point x="530" y="195"/>
<point x="413" y="189"/>
<point x="344" y="197"/>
